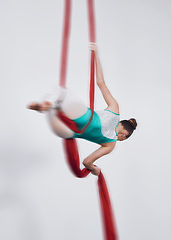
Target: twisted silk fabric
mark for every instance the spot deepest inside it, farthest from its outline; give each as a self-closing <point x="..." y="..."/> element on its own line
<point x="70" y="145"/>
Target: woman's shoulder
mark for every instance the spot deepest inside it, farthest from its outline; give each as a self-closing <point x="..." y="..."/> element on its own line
<point x="107" y="114"/>
<point x="113" y="110"/>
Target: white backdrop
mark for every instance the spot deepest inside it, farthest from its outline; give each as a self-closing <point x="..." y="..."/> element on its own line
<point x="39" y="197"/>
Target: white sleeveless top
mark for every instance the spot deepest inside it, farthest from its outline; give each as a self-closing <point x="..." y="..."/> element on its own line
<point x="109" y="122"/>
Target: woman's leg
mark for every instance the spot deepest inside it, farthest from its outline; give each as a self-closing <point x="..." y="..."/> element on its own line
<point x="58" y="127"/>
<point x="72" y="106"/>
<point x="68" y="102"/>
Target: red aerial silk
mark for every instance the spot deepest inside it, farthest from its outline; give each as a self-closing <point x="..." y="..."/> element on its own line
<point x="70" y="145"/>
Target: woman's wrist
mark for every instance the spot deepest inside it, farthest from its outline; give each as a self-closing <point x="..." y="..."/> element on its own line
<point x="94" y="48"/>
<point x="88" y="165"/>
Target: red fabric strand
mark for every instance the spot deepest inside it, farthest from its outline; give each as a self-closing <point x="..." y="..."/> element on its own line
<point x="106" y="210"/>
<point x="70" y="145"/>
<point x="91" y="20"/>
<point x="72" y="125"/>
<point x="72" y="155"/>
<point x="92" y="82"/>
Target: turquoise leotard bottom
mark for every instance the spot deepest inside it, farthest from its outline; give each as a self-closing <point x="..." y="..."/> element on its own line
<point x="93" y="131"/>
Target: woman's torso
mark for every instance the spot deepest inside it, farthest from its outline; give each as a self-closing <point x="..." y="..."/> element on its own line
<point x="102" y="128"/>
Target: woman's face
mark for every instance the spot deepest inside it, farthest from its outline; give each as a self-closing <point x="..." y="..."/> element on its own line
<point x="123" y="135"/>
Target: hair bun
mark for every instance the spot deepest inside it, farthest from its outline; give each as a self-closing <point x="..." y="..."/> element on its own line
<point x="133" y="122"/>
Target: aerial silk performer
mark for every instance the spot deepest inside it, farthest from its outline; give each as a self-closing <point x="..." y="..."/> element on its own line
<point x="70" y="118"/>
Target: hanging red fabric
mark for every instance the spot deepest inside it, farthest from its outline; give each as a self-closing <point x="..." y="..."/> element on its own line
<point x="70" y="145"/>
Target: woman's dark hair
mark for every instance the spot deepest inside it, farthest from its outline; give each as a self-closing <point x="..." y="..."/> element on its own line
<point x="129" y="125"/>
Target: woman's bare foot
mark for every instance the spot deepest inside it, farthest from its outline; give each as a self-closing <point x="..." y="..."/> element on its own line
<point x="45" y="106"/>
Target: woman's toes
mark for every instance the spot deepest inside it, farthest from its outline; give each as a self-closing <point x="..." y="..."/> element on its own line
<point x="34" y="106"/>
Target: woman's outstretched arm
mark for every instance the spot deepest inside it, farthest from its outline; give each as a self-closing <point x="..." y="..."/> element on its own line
<point x="110" y="100"/>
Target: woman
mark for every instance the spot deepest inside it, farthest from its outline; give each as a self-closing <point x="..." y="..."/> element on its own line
<point x="105" y="127"/>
